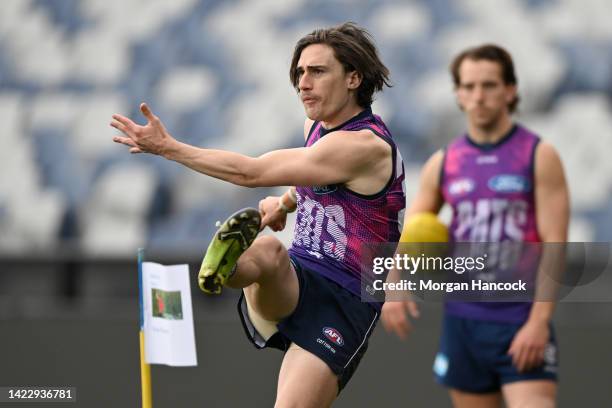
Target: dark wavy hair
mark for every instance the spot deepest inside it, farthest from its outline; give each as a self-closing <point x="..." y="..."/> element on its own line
<point x="354" y="48"/>
<point x="489" y="52"/>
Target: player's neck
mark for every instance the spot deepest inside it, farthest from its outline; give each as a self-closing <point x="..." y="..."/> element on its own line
<point x="490" y="134"/>
<point x="344" y="114"/>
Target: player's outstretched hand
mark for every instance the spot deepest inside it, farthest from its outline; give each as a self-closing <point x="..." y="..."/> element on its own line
<point x="395" y="319"/>
<point x="150" y="138"/>
<point x="271" y="214"/>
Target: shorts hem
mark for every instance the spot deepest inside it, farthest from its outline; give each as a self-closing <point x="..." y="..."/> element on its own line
<point x="489" y="390"/>
<point x="537" y="377"/>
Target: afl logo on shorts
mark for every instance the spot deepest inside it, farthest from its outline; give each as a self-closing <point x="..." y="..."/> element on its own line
<point x="550" y="354"/>
<point x="333" y="335"/>
<point x="461" y="186"/>
<point x="509" y="183"/>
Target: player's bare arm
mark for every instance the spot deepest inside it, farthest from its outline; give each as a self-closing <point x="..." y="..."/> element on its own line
<point x="274" y="209"/>
<point x="552" y="208"/>
<point x="341" y="157"/>
<point x="428" y="199"/>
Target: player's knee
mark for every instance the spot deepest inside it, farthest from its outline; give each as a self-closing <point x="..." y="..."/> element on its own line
<point x="268" y="253"/>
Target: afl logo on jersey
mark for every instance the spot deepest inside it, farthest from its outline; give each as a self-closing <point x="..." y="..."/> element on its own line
<point x="509" y="183"/>
<point x="320" y="190"/>
<point x="461" y="186"/>
<point x="333" y="335"/>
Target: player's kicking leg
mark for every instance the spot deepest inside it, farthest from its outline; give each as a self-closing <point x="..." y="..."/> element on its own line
<point x="262" y="268"/>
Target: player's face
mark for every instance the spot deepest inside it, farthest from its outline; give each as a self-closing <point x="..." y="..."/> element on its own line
<point x="482" y="93"/>
<point x="324" y="87"/>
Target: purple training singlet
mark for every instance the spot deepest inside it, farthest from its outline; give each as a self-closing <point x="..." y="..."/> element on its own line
<point x="334" y="222"/>
<point x="491" y="191"/>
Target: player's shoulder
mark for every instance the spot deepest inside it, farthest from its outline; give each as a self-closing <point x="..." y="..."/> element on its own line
<point x="437" y="157"/>
<point x="547" y="162"/>
<point x="362" y="142"/>
<point x="546" y="153"/>
<point x="434" y="163"/>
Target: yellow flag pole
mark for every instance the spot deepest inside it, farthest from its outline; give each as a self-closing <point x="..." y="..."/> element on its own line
<point x="145" y="376"/>
<point x="145" y="369"/>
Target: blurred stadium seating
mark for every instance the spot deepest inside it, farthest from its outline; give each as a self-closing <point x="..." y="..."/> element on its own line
<point x="74" y="206"/>
<point x="216" y="73"/>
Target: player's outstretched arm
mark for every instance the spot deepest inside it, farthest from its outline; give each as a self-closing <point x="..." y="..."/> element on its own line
<point x="338" y="158"/>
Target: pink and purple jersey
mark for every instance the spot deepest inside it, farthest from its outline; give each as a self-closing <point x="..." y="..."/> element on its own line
<point x="333" y="223"/>
<point x="491" y="191"/>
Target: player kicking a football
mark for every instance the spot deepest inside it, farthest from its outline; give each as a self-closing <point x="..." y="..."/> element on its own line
<point x="348" y="189"/>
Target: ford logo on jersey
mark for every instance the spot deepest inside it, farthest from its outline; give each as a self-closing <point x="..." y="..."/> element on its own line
<point x="333" y="335"/>
<point x="509" y="183"/>
<point x="461" y="186"/>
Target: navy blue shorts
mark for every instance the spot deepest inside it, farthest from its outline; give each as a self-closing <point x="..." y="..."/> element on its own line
<point x="473" y="356"/>
<point x="328" y="321"/>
